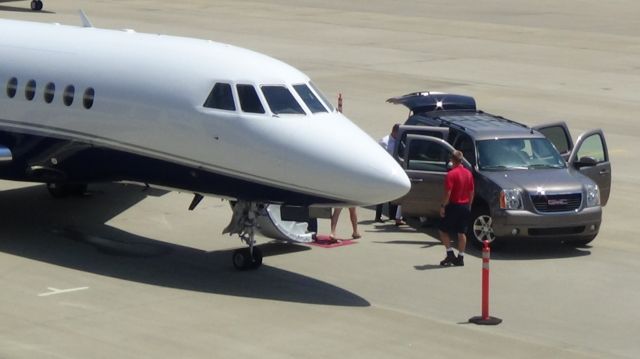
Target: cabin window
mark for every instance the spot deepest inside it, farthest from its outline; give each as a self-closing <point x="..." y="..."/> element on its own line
<point x="309" y="98"/>
<point x="249" y="100"/>
<point x="67" y="97"/>
<point x="12" y="87"/>
<point x="30" y="90"/>
<point x="87" y="99"/>
<point x="49" y="92"/>
<point x="281" y="101"/>
<point x="221" y="98"/>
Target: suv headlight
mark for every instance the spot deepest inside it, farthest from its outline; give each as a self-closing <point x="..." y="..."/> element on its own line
<point x="511" y="198"/>
<point x="593" y="195"/>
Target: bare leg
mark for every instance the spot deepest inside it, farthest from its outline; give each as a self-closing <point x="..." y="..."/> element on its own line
<point x="444" y="237"/>
<point x="398" y="216"/>
<point x="462" y="242"/>
<point x="334" y="221"/>
<point x="354" y="222"/>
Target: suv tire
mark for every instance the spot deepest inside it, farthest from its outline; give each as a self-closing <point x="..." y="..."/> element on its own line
<point x="480" y="227"/>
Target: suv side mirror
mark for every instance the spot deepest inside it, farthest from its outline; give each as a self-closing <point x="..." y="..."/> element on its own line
<point x="585" y="161"/>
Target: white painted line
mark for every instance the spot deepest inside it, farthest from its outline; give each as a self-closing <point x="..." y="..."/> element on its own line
<point x="54" y="291"/>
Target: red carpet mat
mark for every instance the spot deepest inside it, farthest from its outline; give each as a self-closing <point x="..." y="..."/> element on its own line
<point x="324" y="241"/>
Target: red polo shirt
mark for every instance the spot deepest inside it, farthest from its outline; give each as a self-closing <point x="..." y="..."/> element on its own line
<point x="459" y="181"/>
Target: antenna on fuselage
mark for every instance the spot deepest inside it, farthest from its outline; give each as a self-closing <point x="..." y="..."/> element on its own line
<point x="85" y="20"/>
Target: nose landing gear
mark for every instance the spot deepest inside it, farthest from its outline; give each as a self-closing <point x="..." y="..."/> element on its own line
<point x="243" y="223"/>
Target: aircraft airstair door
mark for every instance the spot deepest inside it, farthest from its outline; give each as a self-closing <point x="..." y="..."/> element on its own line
<point x="272" y="226"/>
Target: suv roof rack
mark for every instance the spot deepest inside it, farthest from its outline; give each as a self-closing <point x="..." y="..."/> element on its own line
<point x="452" y="120"/>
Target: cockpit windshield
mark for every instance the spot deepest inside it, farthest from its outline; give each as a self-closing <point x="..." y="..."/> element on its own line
<point x="281" y="101"/>
<point x="518" y="153"/>
<point x="324" y="99"/>
<point x="309" y="98"/>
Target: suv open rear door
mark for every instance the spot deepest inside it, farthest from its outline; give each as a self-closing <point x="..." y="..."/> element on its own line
<point x="590" y="156"/>
<point x="425" y="161"/>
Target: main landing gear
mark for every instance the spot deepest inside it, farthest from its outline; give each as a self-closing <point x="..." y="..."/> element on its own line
<point x="36" y="5"/>
<point x="243" y="223"/>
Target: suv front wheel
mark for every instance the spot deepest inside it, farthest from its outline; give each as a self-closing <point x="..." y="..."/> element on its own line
<point x="481" y="226"/>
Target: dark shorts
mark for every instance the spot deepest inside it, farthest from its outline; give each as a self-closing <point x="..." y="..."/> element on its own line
<point x="456" y="218"/>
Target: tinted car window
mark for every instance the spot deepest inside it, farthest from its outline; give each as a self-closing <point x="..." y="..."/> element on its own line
<point x="427" y="156"/>
<point x="280" y="100"/>
<point x="593" y="147"/>
<point x="465" y="145"/>
<point x="249" y="100"/>
<point x="221" y="98"/>
<point x="557" y="136"/>
<point x="402" y="144"/>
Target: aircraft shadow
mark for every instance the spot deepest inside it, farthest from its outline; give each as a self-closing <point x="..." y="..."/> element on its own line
<point x="72" y="233"/>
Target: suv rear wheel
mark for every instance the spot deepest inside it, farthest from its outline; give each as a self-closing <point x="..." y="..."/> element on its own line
<point x="481" y="226"/>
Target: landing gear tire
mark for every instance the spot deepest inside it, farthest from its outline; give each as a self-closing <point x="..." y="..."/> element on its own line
<point x="481" y="227"/>
<point x="36" y="5"/>
<point x="242" y="259"/>
<point x="62" y="190"/>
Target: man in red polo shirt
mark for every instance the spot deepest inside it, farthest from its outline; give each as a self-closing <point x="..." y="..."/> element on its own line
<point x="455" y="209"/>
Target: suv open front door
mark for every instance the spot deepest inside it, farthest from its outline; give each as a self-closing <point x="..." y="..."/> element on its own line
<point x="590" y="156"/>
<point x="426" y="161"/>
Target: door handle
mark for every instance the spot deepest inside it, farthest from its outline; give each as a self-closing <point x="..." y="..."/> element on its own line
<point x="604" y="172"/>
<point x="416" y="179"/>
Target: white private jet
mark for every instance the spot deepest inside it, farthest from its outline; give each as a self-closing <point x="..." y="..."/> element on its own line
<point x="85" y="105"/>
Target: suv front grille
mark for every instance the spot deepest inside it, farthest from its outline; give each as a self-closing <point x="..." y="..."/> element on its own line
<point x="557" y="202"/>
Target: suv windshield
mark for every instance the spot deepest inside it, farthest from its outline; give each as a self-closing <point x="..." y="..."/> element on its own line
<point x="518" y="153"/>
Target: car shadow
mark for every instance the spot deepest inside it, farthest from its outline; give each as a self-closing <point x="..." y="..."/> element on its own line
<point x="72" y="233"/>
<point x="520" y="249"/>
<point x="533" y="249"/>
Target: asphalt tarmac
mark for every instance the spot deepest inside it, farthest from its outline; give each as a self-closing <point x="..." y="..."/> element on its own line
<point x="129" y="273"/>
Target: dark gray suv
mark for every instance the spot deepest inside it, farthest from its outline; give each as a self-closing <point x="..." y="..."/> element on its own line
<point x="531" y="182"/>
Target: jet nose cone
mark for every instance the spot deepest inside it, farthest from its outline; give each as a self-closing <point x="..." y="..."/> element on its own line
<point x="385" y="182"/>
<point x="398" y="183"/>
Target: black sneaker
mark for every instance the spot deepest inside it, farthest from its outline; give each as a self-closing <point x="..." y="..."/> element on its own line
<point x="449" y="260"/>
<point x="459" y="262"/>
